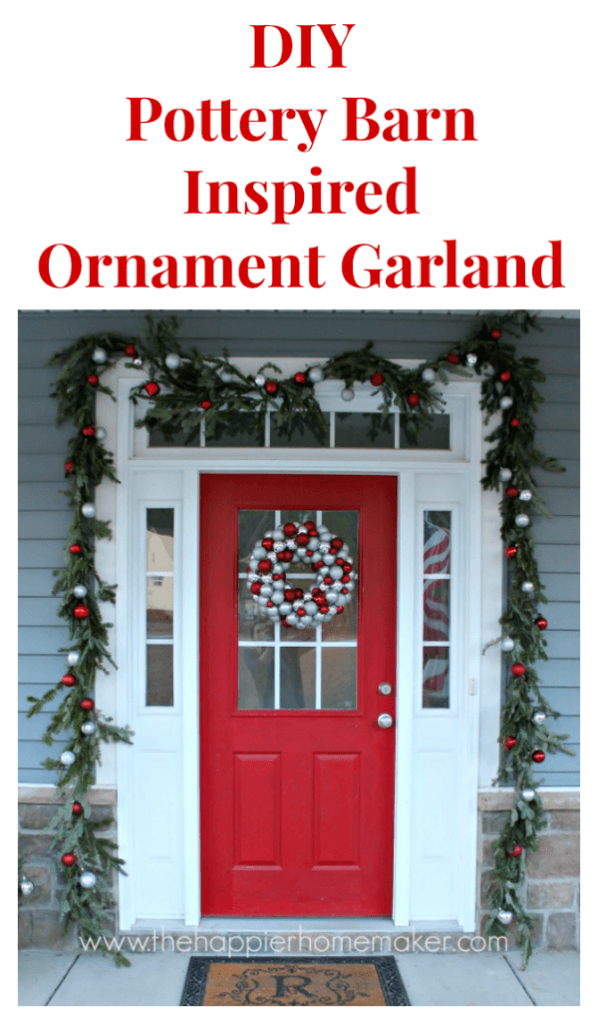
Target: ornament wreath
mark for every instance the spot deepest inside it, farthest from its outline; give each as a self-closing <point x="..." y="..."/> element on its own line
<point x="185" y="390"/>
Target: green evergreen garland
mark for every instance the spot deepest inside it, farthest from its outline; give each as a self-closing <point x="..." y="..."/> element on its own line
<point x="210" y="390"/>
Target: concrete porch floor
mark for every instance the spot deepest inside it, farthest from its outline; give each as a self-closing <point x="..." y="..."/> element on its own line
<point x="47" y="978"/>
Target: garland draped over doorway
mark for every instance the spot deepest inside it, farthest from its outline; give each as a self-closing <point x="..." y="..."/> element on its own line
<point x="186" y="390"/>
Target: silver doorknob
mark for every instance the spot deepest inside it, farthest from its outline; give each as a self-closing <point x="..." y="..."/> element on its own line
<point x="385" y="721"/>
<point x="385" y="689"/>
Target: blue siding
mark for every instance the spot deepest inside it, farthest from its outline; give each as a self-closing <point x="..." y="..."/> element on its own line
<point x="44" y="511"/>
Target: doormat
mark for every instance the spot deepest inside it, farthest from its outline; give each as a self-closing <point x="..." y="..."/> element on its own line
<point x="294" y="981"/>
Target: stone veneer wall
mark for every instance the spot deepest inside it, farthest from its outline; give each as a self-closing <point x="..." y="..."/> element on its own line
<point x="39" y="913"/>
<point x="552" y="871"/>
<point x="552" y="884"/>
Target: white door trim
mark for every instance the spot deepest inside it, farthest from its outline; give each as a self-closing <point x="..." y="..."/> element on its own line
<point x="115" y="502"/>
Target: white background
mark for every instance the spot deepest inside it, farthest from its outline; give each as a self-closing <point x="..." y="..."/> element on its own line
<point x="73" y="178"/>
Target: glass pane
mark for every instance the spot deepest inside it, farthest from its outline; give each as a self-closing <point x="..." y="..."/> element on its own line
<point x="437" y="542"/>
<point x="180" y="439"/>
<point x="344" y="626"/>
<point x="436" y="434"/>
<point x="159" y="685"/>
<point x="252" y="527"/>
<point x="364" y="430"/>
<point x="159" y="539"/>
<point x="239" y="431"/>
<point x="298" y="677"/>
<point x="256" y="677"/>
<point x="344" y="524"/>
<point x="160" y="602"/>
<point x="339" y="677"/>
<point x="435" y="693"/>
<point x="301" y="436"/>
<point x="252" y="624"/>
<point x="436" y="609"/>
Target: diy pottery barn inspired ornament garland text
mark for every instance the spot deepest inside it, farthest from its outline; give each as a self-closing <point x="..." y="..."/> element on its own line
<point x="187" y="390"/>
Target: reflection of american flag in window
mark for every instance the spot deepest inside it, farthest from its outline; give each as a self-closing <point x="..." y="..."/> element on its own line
<point x="437" y="546"/>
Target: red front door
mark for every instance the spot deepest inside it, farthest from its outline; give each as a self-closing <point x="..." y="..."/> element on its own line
<point x="297" y="776"/>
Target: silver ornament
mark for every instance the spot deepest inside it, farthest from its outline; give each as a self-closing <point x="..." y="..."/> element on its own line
<point x="226" y="376"/>
<point x="173" y="360"/>
<point x="298" y="603"/>
<point x="507" y="643"/>
<point x="72" y="658"/>
<point x="87" y="880"/>
<point x="428" y="375"/>
<point x="505" y="916"/>
<point x="539" y="717"/>
<point x="525" y="495"/>
<point x="325" y="536"/>
<point x="259" y="552"/>
<point x="80" y="591"/>
<point x="88" y="510"/>
<point x="99" y="355"/>
<point x="279" y="546"/>
<point x="315" y="374"/>
<point x="291" y="544"/>
<point x="471" y="359"/>
<point x="277" y="597"/>
<point x="67" y="758"/>
<point x="292" y="618"/>
<point x="527" y="587"/>
<point x="88" y="728"/>
<point x="331" y="597"/>
<point x="329" y="560"/>
<point x="504" y="474"/>
<point x="260" y="380"/>
<point x="26" y="887"/>
<point x="307" y="620"/>
<point x="100" y="434"/>
<point x="336" y="572"/>
<point x="278" y="584"/>
<point x="285" y="607"/>
<point x="262" y="601"/>
<point x="522" y="520"/>
<point x="506" y="402"/>
<point x="528" y="795"/>
<point x="138" y="362"/>
<point x="347" y="394"/>
<point x="266" y="591"/>
<point x="278" y="535"/>
<point x="311" y="607"/>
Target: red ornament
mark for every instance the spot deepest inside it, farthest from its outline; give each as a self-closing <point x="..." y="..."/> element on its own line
<point x="300" y="378"/>
<point x="68" y="859"/>
<point x="505" y="376"/>
<point x="286" y="556"/>
<point x="271" y="387"/>
<point x="515" y="422"/>
<point x="206" y="404"/>
<point x="289" y="595"/>
<point x="87" y="704"/>
<point x="517" y="669"/>
<point x="270" y="604"/>
<point x="93" y="379"/>
<point x="255" y="588"/>
<point x="278" y="576"/>
<point x="339" y="609"/>
<point x="340" y="561"/>
<point x="319" y="565"/>
<point x="345" y="578"/>
<point x="89" y="431"/>
<point x="68" y="679"/>
<point x="289" y="529"/>
<point x="301" y="612"/>
<point x="324" y="608"/>
<point x="413" y="399"/>
<point x="377" y="378"/>
<point x="268" y="543"/>
<point x="80" y="611"/>
<point x="512" y="492"/>
<point x="336" y="543"/>
<point x="69" y="467"/>
<point x="77" y="808"/>
<point x="516" y="851"/>
<point x="453" y="358"/>
<point x="298" y="593"/>
<point x="345" y="590"/>
<point x="495" y="333"/>
<point x="263" y="565"/>
<point x="152" y="388"/>
<point x="131" y="351"/>
<point x="302" y="540"/>
<point x="510" y="742"/>
<point x="541" y="622"/>
<point x="310" y="525"/>
<point x="75" y="549"/>
<point x="313" y="533"/>
<point x="328" y="581"/>
<point x="538" y="756"/>
<point x="511" y="550"/>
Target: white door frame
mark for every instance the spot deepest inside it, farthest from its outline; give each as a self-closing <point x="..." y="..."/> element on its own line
<point x="114" y="502"/>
